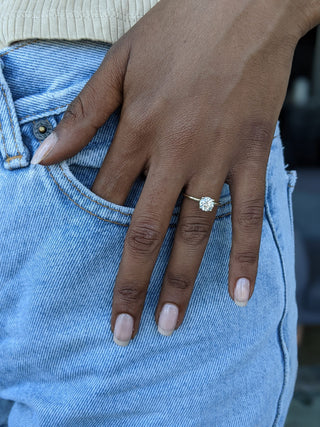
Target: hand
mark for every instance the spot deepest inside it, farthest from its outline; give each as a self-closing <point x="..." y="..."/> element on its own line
<point x="201" y="86"/>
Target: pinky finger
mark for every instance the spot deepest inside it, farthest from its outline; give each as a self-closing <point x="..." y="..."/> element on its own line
<point x="247" y="192"/>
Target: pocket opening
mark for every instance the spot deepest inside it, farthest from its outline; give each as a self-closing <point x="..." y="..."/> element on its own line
<point x="74" y="177"/>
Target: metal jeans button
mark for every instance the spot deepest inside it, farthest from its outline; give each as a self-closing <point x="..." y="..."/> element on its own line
<point x="42" y="128"/>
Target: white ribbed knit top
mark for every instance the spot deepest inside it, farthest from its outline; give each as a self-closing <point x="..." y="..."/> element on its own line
<point x="105" y="20"/>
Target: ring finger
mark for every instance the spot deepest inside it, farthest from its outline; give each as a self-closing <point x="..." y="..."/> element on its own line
<point x="191" y="238"/>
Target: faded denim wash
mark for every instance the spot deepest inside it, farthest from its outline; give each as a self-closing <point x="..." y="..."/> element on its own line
<point x="60" y="250"/>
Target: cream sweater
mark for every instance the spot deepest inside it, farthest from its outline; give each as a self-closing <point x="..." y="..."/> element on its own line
<point x="104" y="20"/>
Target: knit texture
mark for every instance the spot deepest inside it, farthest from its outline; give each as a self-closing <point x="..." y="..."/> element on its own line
<point x="105" y="20"/>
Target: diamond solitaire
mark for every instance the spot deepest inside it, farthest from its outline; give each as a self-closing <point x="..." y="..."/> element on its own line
<point x="206" y="204"/>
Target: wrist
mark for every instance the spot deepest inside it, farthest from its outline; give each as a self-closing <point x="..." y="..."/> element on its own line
<point x="308" y="14"/>
<point x="315" y="13"/>
<point x="291" y="19"/>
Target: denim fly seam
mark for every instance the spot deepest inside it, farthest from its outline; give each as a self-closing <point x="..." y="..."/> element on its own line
<point x="13" y="151"/>
<point x="219" y="356"/>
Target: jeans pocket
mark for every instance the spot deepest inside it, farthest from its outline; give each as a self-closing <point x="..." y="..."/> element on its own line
<point x="74" y="178"/>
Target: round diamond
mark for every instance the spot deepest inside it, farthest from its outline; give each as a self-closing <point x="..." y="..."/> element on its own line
<point x="206" y="204"/>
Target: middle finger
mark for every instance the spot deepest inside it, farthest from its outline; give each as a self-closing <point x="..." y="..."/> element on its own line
<point x="143" y="241"/>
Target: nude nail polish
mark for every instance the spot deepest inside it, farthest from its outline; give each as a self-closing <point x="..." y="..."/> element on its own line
<point x="45" y="148"/>
<point x="123" y="329"/>
<point x="241" y="292"/>
<point x="168" y="319"/>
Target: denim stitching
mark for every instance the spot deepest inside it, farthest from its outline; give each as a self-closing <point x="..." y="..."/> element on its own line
<point x="88" y="197"/>
<point x="4" y="145"/>
<point x="108" y="220"/>
<point x="8" y="159"/>
<point x="224" y="215"/>
<point x="224" y="204"/>
<point x="106" y="206"/>
<point x="51" y="109"/>
<point x="91" y="213"/>
<point x="11" y="122"/>
<point x="280" y="328"/>
<point x="19" y="47"/>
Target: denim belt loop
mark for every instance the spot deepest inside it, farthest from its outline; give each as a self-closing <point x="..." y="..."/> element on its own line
<point x="14" y="152"/>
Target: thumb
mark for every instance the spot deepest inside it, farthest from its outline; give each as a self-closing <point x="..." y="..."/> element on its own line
<point x="99" y="98"/>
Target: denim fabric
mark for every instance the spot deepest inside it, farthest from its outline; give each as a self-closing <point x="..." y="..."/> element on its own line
<point x="60" y="249"/>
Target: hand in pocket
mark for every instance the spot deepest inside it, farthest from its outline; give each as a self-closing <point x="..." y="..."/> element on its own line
<point x="199" y="108"/>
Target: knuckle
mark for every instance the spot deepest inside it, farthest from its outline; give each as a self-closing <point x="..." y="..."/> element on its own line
<point x="75" y="111"/>
<point x="144" y="238"/>
<point x="181" y="135"/>
<point x="249" y="258"/>
<point x="82" y="109"/>
<point x="177" y="281"/>
<point x="251" y="215"/>
<point x="257" y="136"/>
<point x="138" y="120"/>
<point x="185" y="130"/>
<point x="145" y="120"/>
<point x="260" y="131"/>
<point x="114" y="71"/>
<point x="128" y="294"/>
<point x="194" y="232"/>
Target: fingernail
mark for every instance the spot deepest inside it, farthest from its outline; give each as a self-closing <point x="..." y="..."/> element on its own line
<point x="168" y="319"/>
<point x="47" y="145"/>
<point x="241" y="292"/>
<point x="123" y="329"/>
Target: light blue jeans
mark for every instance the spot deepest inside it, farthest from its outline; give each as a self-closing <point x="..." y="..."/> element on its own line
<point x="60" y="250"/>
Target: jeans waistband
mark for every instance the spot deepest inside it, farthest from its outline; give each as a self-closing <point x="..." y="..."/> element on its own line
<point x="46" y="75"/>
<point x="12" y="148"/>
<point x="41" y="77"/>
<point x="38" y="77"/>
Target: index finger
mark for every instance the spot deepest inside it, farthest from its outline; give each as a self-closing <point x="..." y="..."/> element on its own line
<point x="99" y="98"/>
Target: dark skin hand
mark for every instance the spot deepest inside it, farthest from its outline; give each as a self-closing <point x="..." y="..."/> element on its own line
<point x="201" y="86"/>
